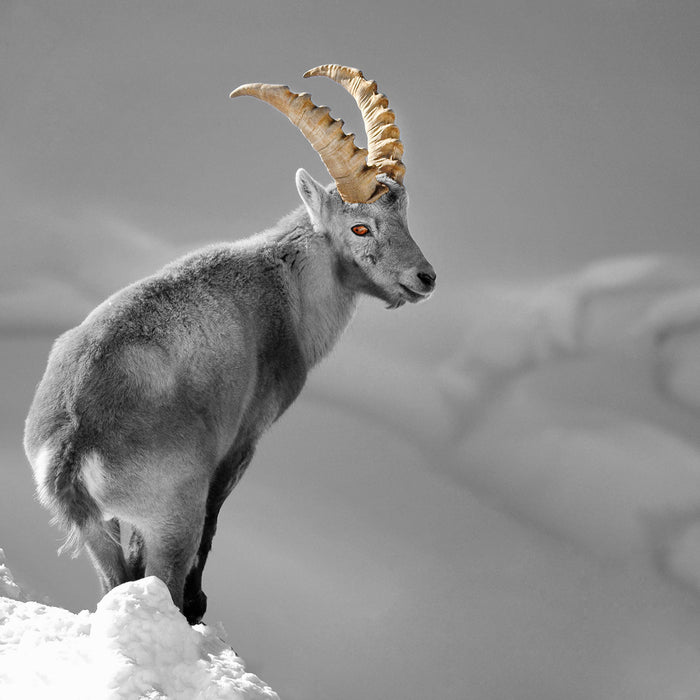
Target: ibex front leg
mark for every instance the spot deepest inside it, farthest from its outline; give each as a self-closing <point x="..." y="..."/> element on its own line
<point x="169" y="521"/>
<point x="227" y="476"/>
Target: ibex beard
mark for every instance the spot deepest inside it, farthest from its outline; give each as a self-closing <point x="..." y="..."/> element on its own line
<point x="150" y="410"/>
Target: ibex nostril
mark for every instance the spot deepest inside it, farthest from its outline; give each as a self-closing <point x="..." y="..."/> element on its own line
<point x="427" y="278"/>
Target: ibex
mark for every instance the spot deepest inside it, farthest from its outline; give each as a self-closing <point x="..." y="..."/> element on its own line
<point x="150" y="410"/>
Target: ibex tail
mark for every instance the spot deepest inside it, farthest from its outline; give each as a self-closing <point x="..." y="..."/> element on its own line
<point x="61" y="489"/>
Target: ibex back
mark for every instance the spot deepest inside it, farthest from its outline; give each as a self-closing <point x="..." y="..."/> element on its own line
<point x="150" y="410"/>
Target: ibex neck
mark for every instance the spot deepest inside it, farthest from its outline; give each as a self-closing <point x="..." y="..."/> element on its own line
<point x="321" y="306"/>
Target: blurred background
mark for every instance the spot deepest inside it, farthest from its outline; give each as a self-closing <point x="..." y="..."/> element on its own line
<point x="494" y="494"/>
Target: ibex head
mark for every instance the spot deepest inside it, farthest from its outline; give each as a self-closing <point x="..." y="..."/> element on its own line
<point x="364" y="213"/>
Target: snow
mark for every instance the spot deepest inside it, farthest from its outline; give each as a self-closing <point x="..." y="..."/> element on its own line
<point x="8" y="588"/>
<point x="135" y="645"/>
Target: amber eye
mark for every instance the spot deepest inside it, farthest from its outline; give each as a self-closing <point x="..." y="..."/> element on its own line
<point x="360" y="230"/>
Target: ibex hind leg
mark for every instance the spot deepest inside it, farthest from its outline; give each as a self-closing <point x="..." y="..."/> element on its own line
<point x="104" y="548"/>
<point x="136" y="555"/>
<point x="67" y="484"/>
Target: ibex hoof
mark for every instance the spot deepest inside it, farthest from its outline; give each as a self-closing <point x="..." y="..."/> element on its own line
<point x="195" y="607"/>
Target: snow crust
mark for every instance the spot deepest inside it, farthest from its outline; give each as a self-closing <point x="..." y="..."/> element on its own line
<point x="135" y="645"/>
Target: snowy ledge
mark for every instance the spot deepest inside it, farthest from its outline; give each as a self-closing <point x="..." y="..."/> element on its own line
<point x="135" y="645"/>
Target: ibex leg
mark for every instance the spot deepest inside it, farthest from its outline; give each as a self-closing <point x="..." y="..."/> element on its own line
<point x="104" y="548"/>
<point x="172" y="529"/>
<point x="227" y="475"/>
<point x="170" y="554"/>
<point x="136" y="555"/>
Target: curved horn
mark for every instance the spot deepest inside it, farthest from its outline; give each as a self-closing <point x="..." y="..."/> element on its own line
<point x="346" y="163"/>
<point x="383" y="143"/>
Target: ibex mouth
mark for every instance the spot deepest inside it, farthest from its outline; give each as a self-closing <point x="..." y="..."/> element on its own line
<point x="413" y="296"/>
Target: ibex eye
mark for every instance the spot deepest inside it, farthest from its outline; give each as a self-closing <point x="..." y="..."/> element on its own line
<point x="360" y="230"/>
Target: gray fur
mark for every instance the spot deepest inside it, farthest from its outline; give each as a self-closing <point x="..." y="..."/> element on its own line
<point x="149" y="411"/>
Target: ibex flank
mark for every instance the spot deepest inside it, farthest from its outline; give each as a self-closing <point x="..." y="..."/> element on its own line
<point x="150" y="410"/>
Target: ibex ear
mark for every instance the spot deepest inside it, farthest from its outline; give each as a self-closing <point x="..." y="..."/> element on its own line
<point x="313" y="194"/>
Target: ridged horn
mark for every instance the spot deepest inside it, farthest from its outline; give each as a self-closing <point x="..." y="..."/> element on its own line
<point x="346" y="163"/>
<point x="383" y="143"/>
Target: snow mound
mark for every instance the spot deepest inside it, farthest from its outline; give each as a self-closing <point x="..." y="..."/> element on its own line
<point x="8" y="587"/>
<point x="135" y="645"/>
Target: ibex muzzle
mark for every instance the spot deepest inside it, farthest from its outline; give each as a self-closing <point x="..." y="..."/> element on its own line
<point x="150" y="410"/>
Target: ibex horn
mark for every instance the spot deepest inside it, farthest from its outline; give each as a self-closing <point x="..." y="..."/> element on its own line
<point x="383" y="143"/>
<point x="346" y="163"/>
